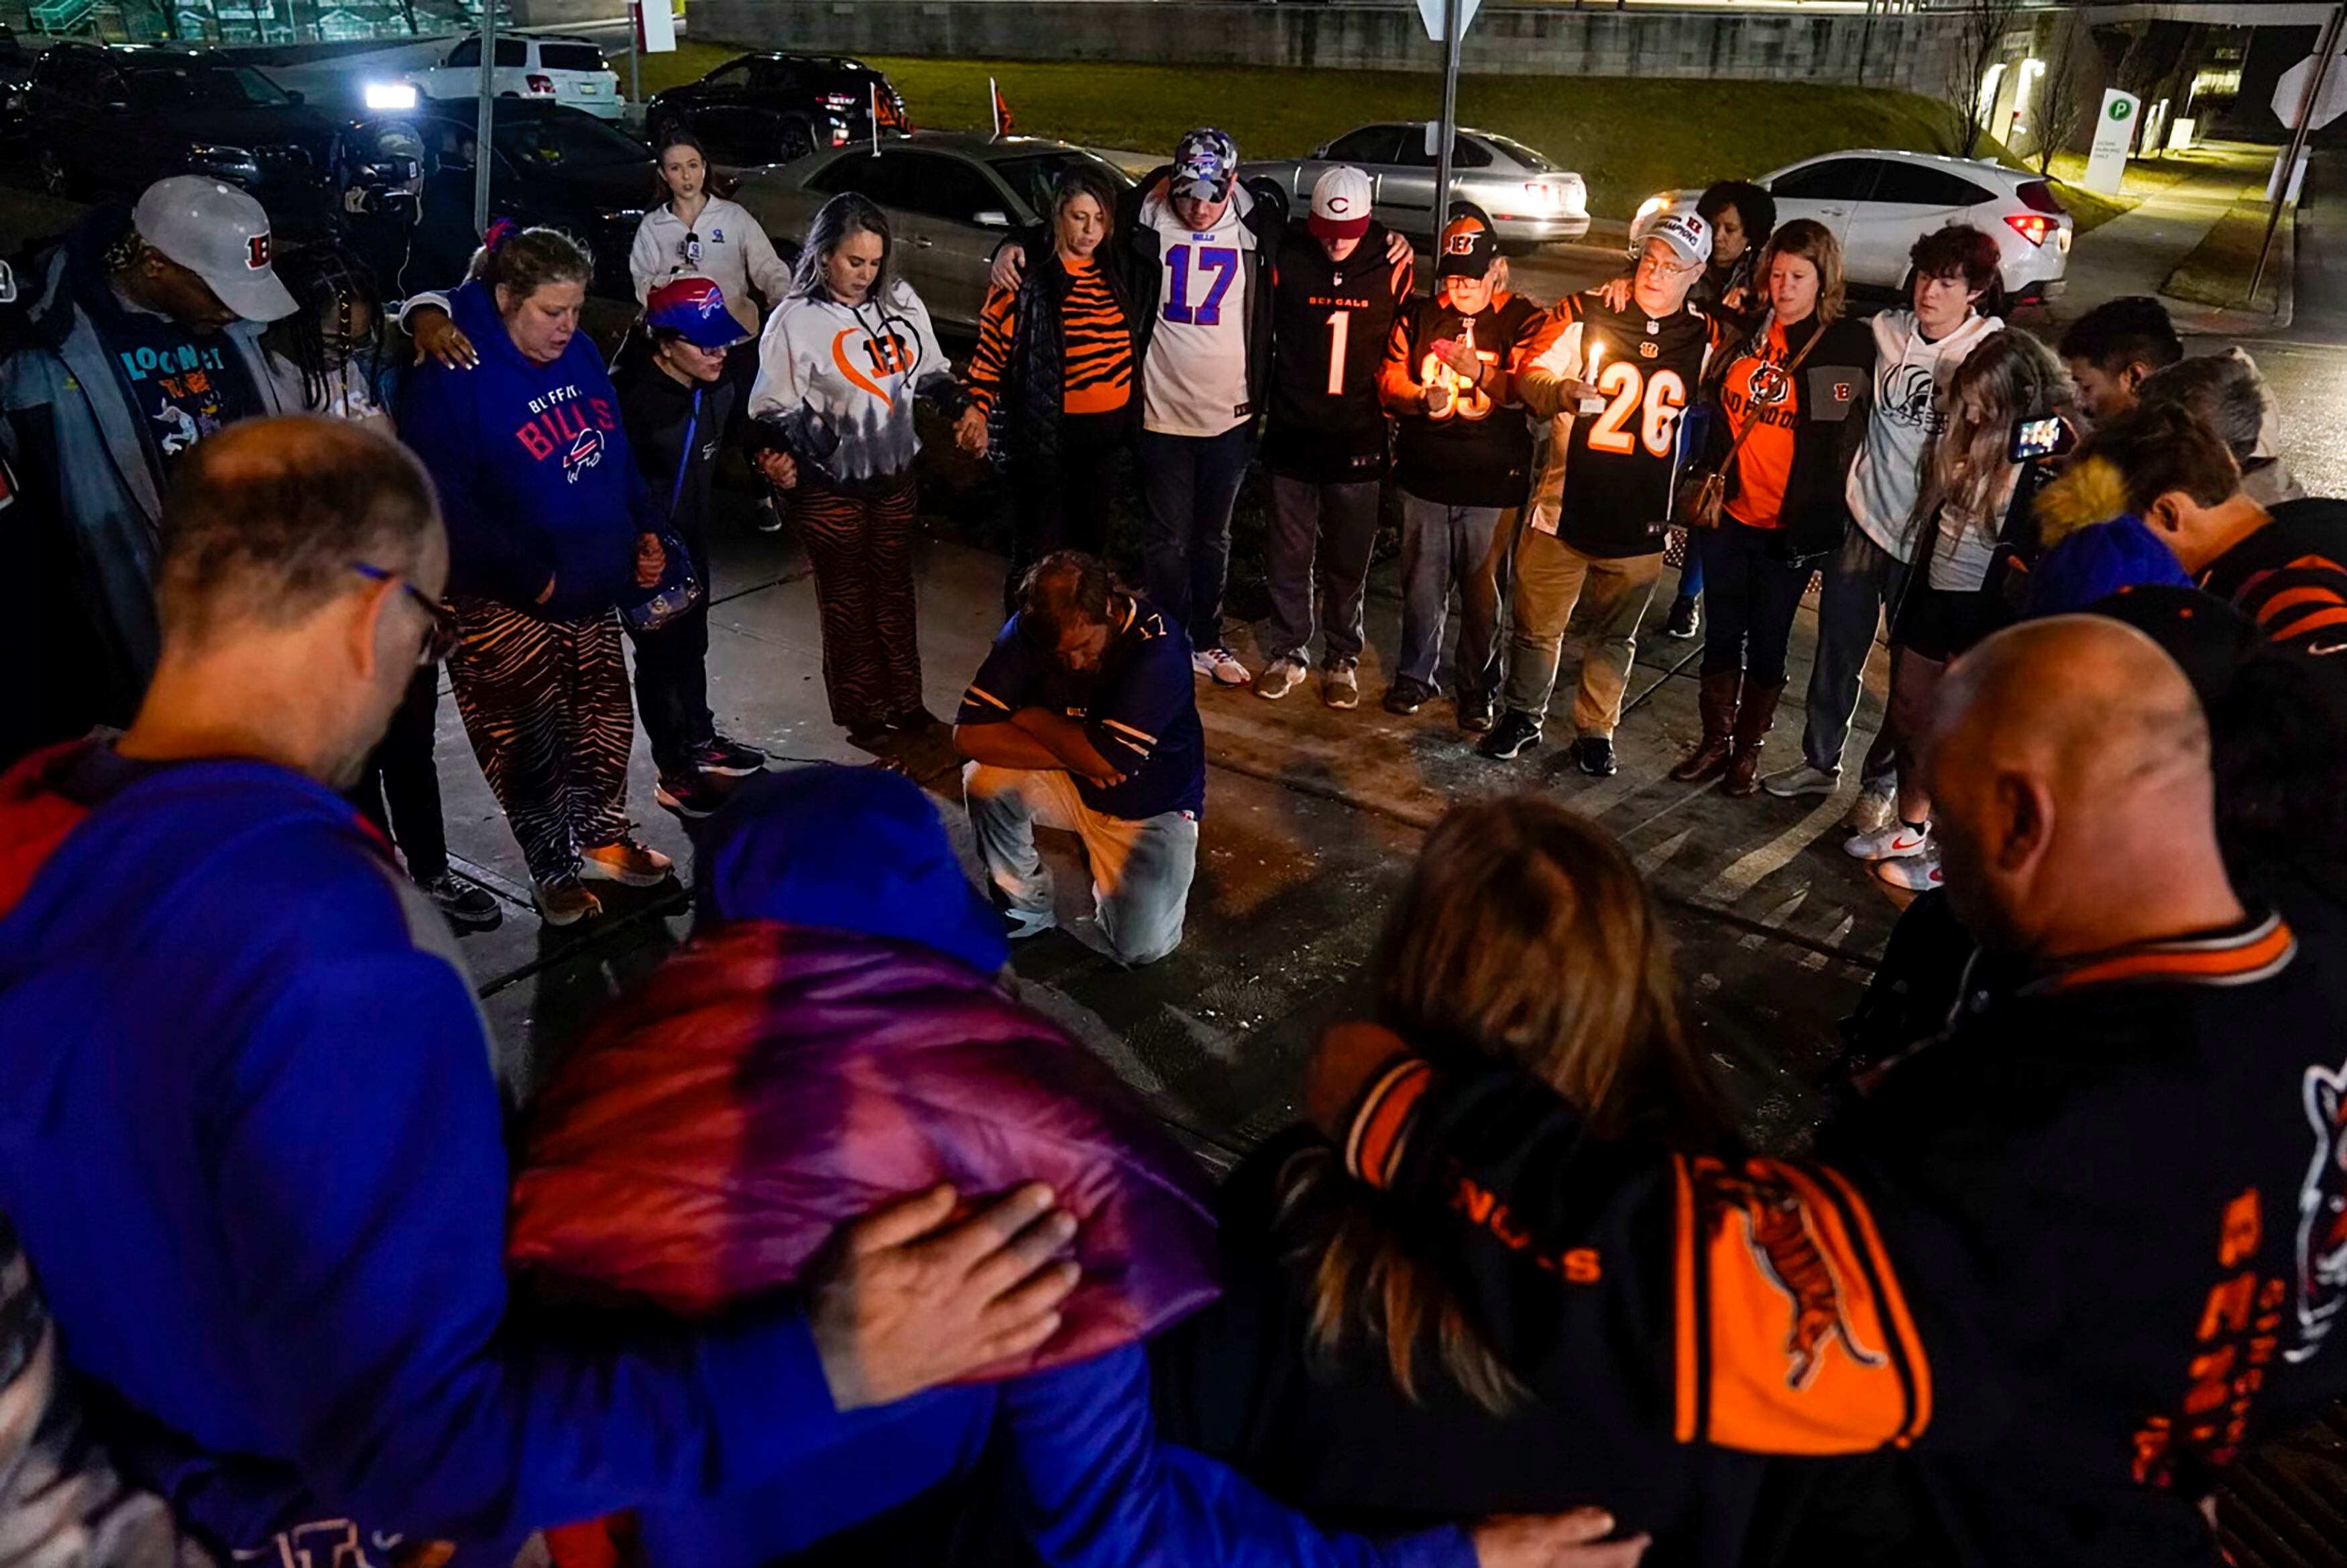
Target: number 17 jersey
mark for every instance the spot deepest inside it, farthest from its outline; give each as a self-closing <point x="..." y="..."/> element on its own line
<point x="1604" y="484"/>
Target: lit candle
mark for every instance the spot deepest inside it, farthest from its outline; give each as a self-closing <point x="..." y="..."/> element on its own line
<point x="1589" y="374"/>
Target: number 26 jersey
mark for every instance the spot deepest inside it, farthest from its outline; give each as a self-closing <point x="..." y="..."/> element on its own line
<point x="1605" y="478"/>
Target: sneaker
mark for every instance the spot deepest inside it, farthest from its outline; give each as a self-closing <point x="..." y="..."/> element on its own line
<point x="691" y="796"/>
<point x="1221" y="666"/>
<point x="768" y="517"/>
<point x="1897" y="841"/>
<point x="1685" y="618"/>
<point x="1517" y="733"/>
<point x="462" y="904"/>
<point x="1406" y="696"/>
<point x="1475" y="713"/>
<point x="912" y="721"/>
<point x="567" y="902"/>
<point x="1877" y="806"/>
<point x="1018" y="925"/>
<point x="626" y="862"/>
<point x="1916" y="873"/>
<point x="728" y="757"/>
<point x="1340" y="684"/>
<point x="1279" y="678"/>
<point x="1795" y="782"/>
<point x="1594" y="755"/>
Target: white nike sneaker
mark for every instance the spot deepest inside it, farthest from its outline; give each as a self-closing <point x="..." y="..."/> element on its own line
<point x="1916" y="873"/>
<point x="1897" y="841"/>
<point x="1220" y="666"/>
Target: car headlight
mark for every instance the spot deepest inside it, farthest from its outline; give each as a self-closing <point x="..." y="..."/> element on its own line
<point x="391" y="94"/>
<point x="1650" y="206"/>
<point x="223" y="162"/>
<point x="630" y="215"/>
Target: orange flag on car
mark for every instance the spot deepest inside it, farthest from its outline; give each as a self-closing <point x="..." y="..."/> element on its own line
<point x="1002" y="122"/>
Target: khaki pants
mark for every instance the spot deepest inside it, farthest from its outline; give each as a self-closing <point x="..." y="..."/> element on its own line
<point x="1142" y="868"/>
<point x="1552" y="577"/>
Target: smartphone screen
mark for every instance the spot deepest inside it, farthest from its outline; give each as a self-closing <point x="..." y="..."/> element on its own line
<point x="2036" y="438"/>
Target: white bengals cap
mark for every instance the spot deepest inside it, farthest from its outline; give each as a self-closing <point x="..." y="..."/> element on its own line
<point x="1686" y="233"/>
<point x="1341" y="199"/>
<point x="221" y="235"/>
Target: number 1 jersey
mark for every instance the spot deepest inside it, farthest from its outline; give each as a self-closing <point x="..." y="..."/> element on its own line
<point x="1605" y="478"/>
<point x="1330" y="321"/>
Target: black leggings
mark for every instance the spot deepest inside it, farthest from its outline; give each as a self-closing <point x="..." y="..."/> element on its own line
<point x="400" y="792"/>
<point x="1065" y="506"/>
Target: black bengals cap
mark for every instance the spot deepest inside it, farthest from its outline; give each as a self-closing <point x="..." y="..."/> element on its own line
<point x="1468" y="245"/>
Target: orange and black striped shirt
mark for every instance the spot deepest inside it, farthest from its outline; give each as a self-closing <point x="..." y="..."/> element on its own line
<point x="1096" y="346"/>
<point x="2290" y="576"/>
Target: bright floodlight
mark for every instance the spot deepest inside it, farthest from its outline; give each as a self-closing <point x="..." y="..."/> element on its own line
<point x="391" y="94"/>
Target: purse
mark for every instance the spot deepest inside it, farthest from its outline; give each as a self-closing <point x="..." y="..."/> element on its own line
<point x="1702" y="495"/>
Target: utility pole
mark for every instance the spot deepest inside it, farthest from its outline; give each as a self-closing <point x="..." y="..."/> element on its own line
<point x="484" y="119"/>
<point x="2323" y="52"/>
<point x="1449" y="132"/>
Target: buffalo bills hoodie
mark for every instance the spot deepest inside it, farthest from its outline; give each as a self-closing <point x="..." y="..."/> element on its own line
<point x="533" y="469"/>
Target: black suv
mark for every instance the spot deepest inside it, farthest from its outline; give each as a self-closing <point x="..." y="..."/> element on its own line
<point x="106" y="121"/>
<point x="778" y="109"/>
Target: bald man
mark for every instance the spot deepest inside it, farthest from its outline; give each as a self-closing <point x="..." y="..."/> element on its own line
<point x="250" y="1138"/>
<point x="2078" y="1245"/>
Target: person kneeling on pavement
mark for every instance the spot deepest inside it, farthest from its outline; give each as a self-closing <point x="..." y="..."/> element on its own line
<point x="1084" y="717"/>
<point x="674" y="403"/>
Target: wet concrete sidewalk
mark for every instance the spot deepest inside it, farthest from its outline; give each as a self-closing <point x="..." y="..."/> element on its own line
<point x="1313" y="818"/>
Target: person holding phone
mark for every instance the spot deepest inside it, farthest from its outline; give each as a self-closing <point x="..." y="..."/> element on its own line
<point x="1976" y="500"/>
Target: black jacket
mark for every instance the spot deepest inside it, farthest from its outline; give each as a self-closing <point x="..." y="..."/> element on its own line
<point x="1834" y="394"/>
<point x="1033" y="393"/>
<point x="2077" y="1250"/>
<point x="659" y="414"/>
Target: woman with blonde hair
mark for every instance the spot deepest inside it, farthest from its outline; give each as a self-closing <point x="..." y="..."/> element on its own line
<point x="1341" y="1371"/>
<point x="1975" y="496"/>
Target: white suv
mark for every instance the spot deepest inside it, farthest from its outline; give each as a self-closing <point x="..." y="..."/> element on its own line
<point x="1878" y="203"/>
<point x="568" y="71"/>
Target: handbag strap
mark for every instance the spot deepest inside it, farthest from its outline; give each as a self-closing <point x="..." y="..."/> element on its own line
<point x="1754" y="422"/>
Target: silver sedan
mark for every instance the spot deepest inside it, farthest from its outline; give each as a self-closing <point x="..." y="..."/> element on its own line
<point x="1531" y="200"/>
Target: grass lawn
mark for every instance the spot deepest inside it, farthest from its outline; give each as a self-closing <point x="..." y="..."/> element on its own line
<point x="1627" y="137"/>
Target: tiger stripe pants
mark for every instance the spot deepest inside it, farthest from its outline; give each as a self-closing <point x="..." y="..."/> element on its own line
<point x="861" y="547"/>
<point x="545" y="703"/>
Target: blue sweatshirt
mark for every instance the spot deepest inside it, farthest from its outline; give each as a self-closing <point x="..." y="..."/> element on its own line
<point x="534" y="472"/>
<point x="252" y="1143"/>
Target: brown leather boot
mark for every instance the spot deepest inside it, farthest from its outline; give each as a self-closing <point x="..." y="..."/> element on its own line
<point x="1752" y="722"/>
<point x="1717" y="701"/>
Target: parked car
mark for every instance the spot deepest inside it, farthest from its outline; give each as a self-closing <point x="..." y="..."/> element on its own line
<point x="1531" y="200"/>
<point x="549" y="165"/>
<point x="1878" y="203"/>
<point x="567" y="71"/>
<point x="773" y="108"/>
<point x="113" y="120"/>
<point x="951" y="199"/>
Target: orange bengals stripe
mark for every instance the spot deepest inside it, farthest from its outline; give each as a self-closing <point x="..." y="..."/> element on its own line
<point x="2289" y="598"/>
<point x="1687" y="1356"/>
<point x="2252" y="958"/>
<point x="1375" y="1146"/>
<point x="2304" y="624"/>
<point x="1894" y="1305"/>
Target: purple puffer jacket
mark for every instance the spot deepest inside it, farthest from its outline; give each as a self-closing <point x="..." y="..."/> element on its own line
<point x="770" y="1081"/>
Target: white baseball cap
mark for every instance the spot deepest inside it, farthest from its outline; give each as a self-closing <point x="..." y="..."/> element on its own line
<point x="1341" y="199"/>
<point x="221" y="235"/>
<point x="1686" y="233"/>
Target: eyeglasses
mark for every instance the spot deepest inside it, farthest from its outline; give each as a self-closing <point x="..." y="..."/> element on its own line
<point x="440" y="621"/>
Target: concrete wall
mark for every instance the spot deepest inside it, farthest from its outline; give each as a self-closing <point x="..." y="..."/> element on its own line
<point x="1915" y="52"/>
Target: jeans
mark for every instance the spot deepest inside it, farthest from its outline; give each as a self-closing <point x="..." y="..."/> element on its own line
<point x="1552" y="577"/>
<point x="1749" y="596"/>
<point x="1691" y="573"/>
<point x="1321" y="537"/>
<point x="1141" y="870"/>
<point x="400" y="792"/>
<point x="1442" y="545"/>
<point x="672" y="676"/>
<point x="1862" y="580"/>
<point x="1188" y="485"/>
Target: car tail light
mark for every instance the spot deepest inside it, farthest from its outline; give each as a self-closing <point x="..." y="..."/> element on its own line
<point x="842" y="101"/>
<point x="839" y="135"/>
<point x="2032" y="227"/>
<point x="538" y="87"/>
<point x="1539" y="195"/>
<point x="2038" y="196"/>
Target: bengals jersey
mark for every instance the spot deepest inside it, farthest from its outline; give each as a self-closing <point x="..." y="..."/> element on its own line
<point x="1605" y="478"/>
<point x="1329" y="324"/>
<point x="1468" y="449"/>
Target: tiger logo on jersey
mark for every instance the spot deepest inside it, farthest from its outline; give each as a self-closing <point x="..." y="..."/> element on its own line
<point x="2322" y="1216"/>
<point x="1777" y="1231"/>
